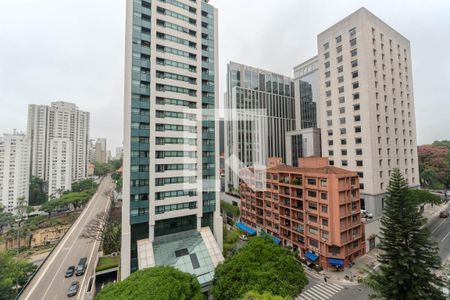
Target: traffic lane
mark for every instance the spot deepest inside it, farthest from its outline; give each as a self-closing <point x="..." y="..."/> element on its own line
<point x="64" y="255"/>
<point x="58" y="285"/>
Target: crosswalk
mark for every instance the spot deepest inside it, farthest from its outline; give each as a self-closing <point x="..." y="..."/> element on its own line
<point x="320" y="291"/>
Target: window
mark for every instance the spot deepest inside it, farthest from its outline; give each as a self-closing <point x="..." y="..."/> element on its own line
<point x="356" y="96"/>
<point x="338" y="39"/>
<point x="312" y="194"/>
<point x="358" y="140"/>
<point x="356" y="107"/>
<point x="327" y="74"/>
<point x="341" y="89"/>
<point x="327" y="55"/>
<point x="352" y="31"/>
<point x="357" y="118"/>
<point x="359" y="163"/>
<point x="323" y="196"/>
<point x="327" y="64"/>
<point x="355" y="85"/>
<point x="341" y="120"/>
<point x="344" y="163"/>
<point x="355" y="74"/>
<point x="343" y="142"/>
<point x="354" y="52"/>
<point x="339" y="49"/>
<point x="341" y="79"/>
<point x="354" y="63"/>
<point x="340" y="69"/>
<point x="326" y="46"/>
<point x="357" y="129"/>
<point x="311" y="181"/>
<point x="344" y="152"/>
<point x="339" y="59"/>
<point x="353" y="42"/>
<point x="330" y="152"/>
<point x="324" y="208"/>
<point x="358" y="151"/>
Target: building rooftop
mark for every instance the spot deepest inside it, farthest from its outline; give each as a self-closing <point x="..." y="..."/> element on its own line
<point x="191" y="251"/>
<point x="321" y="170"/>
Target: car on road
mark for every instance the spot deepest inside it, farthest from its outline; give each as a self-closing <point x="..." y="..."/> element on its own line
<point x="243" y="237"/>
<point x="81" y="267"/>
<point x="73" y="289"/>
<point x="443" y="214"/>
<point x="70" y="271"/>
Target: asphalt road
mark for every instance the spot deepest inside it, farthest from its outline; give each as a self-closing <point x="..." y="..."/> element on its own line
<point x="50" y="283"/>
<point x="440" y="233"/>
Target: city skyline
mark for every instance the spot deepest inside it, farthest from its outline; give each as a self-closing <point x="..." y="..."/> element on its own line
<point x="69" y="71"/>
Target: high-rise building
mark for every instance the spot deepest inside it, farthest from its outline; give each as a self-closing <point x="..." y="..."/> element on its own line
<point x="91" y="151"/>
<point x="170" y="158"/>
<point x="101" y="154"/>
<point x="60" y="167"/>
<point x="306" y="80"/>
<point x="60" y="120"/>
<point x="14" y="170"/>
<point x="119" y="152"/>
<point x="259" y="110"/>
<point x="313" y="208"/>
<point x="302" y="143"/>
<point x="367" y="103"/>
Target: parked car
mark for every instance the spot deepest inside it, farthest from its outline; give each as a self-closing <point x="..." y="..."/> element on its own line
<point x="243" y="237"/>
<point x="70" y="271"/>
<point x="81" y="268"/>
<point x="366" y="214"/>
<point x="443" y="214"/>
<point x="73" y="289"/>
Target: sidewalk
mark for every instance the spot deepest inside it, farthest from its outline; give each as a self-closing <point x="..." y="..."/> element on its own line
<point x="432" y="211"/>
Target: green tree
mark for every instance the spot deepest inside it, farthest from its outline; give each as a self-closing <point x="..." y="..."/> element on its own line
<point x="37" y="194"/>
<point x="422" y="197"/>
<point x="408" y="258"/>
<point x="264" y="296"/>
<point x="101" y="169"/>
<point x="162" y="283"/>
<point x="259" y="266"/>
<point x="52" y="206"/>
<point x="6" y="219"/>
<point x="13" y="272"/>
<point x="77" y="199"/>
<point x="84" y="185"/>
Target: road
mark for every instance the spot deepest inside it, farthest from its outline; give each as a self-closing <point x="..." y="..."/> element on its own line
<point x="50" y="283"/>
<point x="440" y="233"/>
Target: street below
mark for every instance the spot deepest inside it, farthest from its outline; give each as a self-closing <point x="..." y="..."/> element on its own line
<point x="49" y="282"/>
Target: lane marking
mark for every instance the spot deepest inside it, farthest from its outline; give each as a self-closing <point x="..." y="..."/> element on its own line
<point x="439" y="225"/>
<point x="61" y="245"/>
<point x="445" y="236"/>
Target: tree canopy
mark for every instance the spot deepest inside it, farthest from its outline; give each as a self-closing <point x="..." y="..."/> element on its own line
<point x="37" y="194"/>
<point x="434" y="164"/>
<point x="162" y="283"/>
<point x="259" y="266"/>
<point x="264" y="296"/>
<point x="13" y="270"/>
<point x="408" y="258"/>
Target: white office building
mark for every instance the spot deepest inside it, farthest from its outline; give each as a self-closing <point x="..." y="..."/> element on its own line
<point x="60" y="166"/>
<point x="367" y="103"/>
<point x="60" y="120"/>
<point x="14" y="170"/>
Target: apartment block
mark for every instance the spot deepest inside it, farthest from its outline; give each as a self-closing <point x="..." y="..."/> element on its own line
<point x="367" y="103"/>
<point x="171" y="138"/>
<point x="60" y="120"/>
<point x="101" y="154"/>
<point x="259" y="110"/>
<point x="60" y="166"/>
<point x="313" y="208"/>
<point x="14" y="170"/>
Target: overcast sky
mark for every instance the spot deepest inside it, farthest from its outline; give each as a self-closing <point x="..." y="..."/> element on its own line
<point x="73" y="50"/>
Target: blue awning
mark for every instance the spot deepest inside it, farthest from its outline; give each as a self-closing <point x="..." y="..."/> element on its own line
<point x="336" y="262"/>
<point x="246" y="228"/>
<point x="311" y="256"/>
<point x="276" y="240"/>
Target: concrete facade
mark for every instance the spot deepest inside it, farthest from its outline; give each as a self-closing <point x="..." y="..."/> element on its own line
<point x="367" y="112"/>
<point x="14" y="170"/>
<point x="302" y="143"/>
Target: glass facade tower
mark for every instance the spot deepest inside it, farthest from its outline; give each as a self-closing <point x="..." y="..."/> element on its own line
<point x="170" y="137"/>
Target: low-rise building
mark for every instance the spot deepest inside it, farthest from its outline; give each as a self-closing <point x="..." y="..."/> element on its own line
<point x="313" y="208"/>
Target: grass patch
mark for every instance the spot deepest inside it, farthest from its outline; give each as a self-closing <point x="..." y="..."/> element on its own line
<point x="107" y="262"/>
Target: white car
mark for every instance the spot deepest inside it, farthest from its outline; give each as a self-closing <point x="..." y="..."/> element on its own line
<point x="243" y="237"/>
<point x="366" y="214"/>
<point x="445" y="291"/>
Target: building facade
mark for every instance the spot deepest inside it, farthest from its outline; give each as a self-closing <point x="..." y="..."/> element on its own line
<point x="60" y="120"/>
<point x="14" y="170"/>
<point x="367" y="103"/>
<point x="302" y="143"/>
<point x="101" y="154"/>
<point x="259" y="110"/>
<point x="306" y="80"/>
<point x="60" y="166"/>
<point x="170" y="158"/>
<point x="314" y="208"/>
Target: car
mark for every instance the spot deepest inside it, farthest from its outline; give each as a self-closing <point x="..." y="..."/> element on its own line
<point x="73" y="289"/>
<point x="366" y="214"/>
<point x="445" y="291"/>
<point x="81" y="267"/>
<point x="443" y="214"/>
<point x="70" y="271"/>
<point x="243" y="237"/>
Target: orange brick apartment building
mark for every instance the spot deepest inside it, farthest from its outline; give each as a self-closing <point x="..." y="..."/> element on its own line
<point x="314" y="208"/>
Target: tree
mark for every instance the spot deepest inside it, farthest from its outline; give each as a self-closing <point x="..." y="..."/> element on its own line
<point x="105" y="228"/>
<point x="434" y="164"/>
<point x="22" y="210"/>
<point x="37" y="194"/>
<point x="259" y="266"/>
<point x="408" y="258"/>
<point x="76" y="199"/>
<point x="84" y="185"/>
<point x="162" y="283"/>
<point x="13" y="272"/>
<point x="52" y="206"/>
<point x="101" y="169"/>
<point x="422" y="197"/>
<point x="6" y="219"/>
<point x="265" y="296"/>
